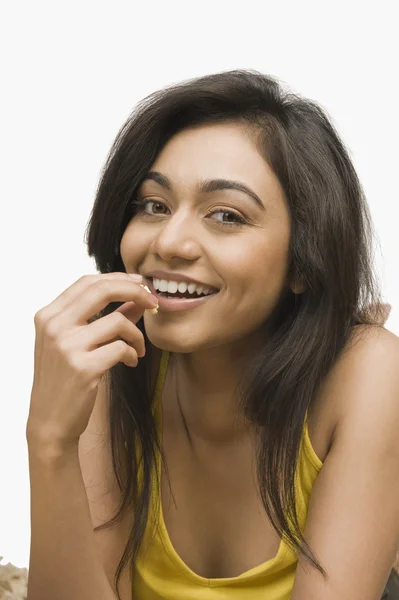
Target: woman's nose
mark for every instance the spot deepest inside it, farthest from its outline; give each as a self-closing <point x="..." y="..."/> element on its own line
<point x="179" y="237"/>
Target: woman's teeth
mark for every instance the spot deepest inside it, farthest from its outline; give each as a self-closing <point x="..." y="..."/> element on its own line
<point x="173" y="287"/>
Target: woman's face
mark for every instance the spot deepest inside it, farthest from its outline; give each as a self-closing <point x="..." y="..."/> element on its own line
<point x="176" y="231"/>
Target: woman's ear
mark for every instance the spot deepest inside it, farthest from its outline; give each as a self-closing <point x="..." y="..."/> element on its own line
<point x="298" y="286"/>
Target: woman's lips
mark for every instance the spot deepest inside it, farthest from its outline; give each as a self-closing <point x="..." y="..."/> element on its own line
<point x="178" y="304"/>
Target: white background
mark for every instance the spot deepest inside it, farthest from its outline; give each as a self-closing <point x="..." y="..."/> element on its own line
<point x="72" y="72"/>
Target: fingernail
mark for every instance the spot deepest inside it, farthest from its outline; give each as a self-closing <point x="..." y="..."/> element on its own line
<point x="136" y="277"/>
<point x="154" y="299"/>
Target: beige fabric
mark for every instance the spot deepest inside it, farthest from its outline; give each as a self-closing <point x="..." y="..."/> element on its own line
<point x="13" y="582"/>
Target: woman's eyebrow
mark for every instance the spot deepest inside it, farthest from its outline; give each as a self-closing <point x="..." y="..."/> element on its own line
<point x="207" y="186"/>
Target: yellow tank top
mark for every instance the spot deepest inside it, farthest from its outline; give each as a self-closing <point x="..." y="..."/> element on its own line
<point x="160" y="574"/>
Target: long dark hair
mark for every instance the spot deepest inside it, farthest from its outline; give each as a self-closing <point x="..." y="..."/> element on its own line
<point x="330" y="252"/>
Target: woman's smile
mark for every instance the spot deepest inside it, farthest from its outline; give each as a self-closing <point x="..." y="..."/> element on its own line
<point x="170" y="303"/>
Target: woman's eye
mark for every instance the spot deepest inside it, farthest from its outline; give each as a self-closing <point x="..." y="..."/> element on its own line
<point x="140" y="205"/>
<point x="238" y="219"/>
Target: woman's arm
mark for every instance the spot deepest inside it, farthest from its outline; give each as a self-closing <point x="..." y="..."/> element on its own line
<point x="70" y="495"/>
<point x="63" y="562"/>
<point x="353" y="515"/>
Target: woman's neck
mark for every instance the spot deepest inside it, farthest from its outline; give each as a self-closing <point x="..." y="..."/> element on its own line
<point x="207" y="400"/>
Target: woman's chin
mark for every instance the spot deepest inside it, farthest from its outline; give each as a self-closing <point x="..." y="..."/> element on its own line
<point x="170" y="343"/>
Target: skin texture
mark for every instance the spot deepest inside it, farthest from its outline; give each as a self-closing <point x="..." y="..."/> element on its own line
<point x="247" y="262"/>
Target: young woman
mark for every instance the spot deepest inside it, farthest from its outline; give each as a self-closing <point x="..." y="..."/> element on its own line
<point x="240" y="442"/>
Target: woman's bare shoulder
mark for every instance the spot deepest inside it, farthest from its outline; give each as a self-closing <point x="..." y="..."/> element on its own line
<point x="364" y="350"/>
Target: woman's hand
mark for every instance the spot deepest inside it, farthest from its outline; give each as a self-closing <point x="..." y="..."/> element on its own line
<point x="72" y="355"/>
<point x="373" y="312"/>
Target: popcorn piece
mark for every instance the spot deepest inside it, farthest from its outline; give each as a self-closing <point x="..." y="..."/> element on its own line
<point x="154" y="310"/>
